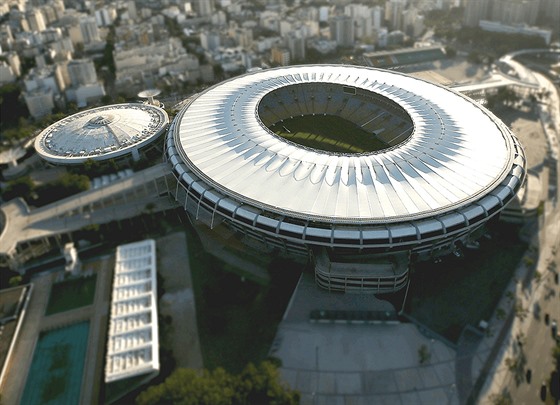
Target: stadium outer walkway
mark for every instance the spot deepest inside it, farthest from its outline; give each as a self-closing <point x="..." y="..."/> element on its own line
<point x="122" y="199"/>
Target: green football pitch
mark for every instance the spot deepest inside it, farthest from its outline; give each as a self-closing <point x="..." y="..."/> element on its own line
<point x="328" y="133"/>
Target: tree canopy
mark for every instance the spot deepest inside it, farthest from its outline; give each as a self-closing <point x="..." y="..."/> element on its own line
<point x="259" y="385"/>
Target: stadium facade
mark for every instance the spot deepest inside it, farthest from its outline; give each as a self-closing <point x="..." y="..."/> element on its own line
<point x="442" y="166"/>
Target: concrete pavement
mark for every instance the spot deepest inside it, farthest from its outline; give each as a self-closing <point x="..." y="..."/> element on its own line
<point x="359" y="363"/>
<point x="178" y="300"/>
<point x="539" y="295"/>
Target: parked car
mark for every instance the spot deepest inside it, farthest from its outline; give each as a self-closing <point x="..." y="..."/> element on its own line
<point x="543" y="391"/>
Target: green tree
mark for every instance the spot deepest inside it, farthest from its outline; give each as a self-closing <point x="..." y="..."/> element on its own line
<point x="424" y="355"/>
<point x="22" y="187"/>
<point x="67" y="185"/>
<point x="12" y="108"/>
<point x="556" y="355"/>
<point x="503" y="398"/>
<point x="258" y="385"/>
<point x="15" y="281"/>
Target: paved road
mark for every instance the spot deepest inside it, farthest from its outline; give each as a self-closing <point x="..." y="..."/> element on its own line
<point x="540" y="342"/>
<point x="178" y="301"/>
<point x="540" y="296"/>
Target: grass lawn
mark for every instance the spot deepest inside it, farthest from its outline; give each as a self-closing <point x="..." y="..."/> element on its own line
<point x="449" y="295"/>
<point x="71" y="294"/>
<point x="237" y="318"/>
<point x="329" y="133"/>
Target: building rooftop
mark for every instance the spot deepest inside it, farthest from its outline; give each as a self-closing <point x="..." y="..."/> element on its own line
<point x="408" y="56"/>
<point x="101" y="133"/>
<point x="132" y="344"/>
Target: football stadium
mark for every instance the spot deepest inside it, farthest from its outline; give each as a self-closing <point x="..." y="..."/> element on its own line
<point x="356" y="169"/>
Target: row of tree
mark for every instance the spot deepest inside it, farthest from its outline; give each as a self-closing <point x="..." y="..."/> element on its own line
<point x="24" y="187"/>
<point x="258" y="385"/>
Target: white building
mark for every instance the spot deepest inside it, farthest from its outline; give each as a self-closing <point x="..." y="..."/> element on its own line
<point x="210" y="40"/>
<point x="342" y="30"/>
<point x="6" y="73"/>
<point x="39" y="101"/>
<point x="105" y="16"/>
<point x="41" y="78"/>
<point x="86" y="94"/>
<point x="36" y="20"/>
<point x="133" y="343"/>
<point x="89" y="29"/>
<point x="82" y="72"/>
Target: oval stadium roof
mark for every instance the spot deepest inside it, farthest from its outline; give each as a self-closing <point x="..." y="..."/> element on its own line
<point x="101" y="133"/>
<point x="457" y="153"/>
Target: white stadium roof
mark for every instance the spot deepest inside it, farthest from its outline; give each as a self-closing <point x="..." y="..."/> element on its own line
<point x="132" y="344"/>
<point x="101" y="133"/>
<point x="457" y="152"/>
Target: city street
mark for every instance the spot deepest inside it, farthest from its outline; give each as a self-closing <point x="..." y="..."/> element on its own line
<point x="530" y="341"/>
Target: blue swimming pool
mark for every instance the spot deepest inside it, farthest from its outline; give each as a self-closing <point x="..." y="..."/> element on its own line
<point x="55" y="375"/>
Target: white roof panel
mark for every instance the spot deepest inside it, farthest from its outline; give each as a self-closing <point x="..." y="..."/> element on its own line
<point x="132" y="344"/>
<point x="457" y="152"/>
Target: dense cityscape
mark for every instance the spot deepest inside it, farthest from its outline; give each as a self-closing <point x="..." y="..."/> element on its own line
<point x="279" y="202"/>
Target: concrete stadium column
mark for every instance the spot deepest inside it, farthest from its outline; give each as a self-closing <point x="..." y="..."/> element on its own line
<point x="135" y="154"/>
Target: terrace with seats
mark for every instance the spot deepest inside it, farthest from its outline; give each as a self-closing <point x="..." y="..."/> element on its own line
<point x="368" y="121"/>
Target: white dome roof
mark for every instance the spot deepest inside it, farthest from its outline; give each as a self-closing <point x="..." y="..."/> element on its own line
<point x="101" y="133"/>
<point x="456" y="153"/>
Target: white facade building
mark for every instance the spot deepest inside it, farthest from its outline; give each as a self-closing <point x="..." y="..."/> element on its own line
<point x="82" y="72"/>
<point x="133" y="342"/>
<point x="39" y="101"/>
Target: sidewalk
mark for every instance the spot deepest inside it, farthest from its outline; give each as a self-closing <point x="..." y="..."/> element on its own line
<point x="178" y="300"/>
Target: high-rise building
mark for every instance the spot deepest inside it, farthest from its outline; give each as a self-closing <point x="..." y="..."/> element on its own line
<point x="515" y="11"/>
<point x="377" y="14"/>
<point x="132" y="13"/>
<point x="40" y="102"/>
<point x="280" y="55"/>
<point x="90" y="32"/>
<point x="393" y="13"/>
<point x="105" y="16"/>
<point x="14" y="62"/>
<point x="82" y="72"/>
<point x="296" y="44"/>
<point x="549" y="10"/>
<point x="210" y="40"/>
<point x="36" y="20"/>
<point x="476" y="10"/>
<point x="6" y="73"/>
<point x="342" y="30"/>
<point x="203" y="8"/>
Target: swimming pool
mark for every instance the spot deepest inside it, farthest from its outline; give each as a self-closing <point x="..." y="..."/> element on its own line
<point x="55" y="375"/>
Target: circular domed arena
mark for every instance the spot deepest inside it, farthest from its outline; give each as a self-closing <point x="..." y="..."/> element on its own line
<point x="117" y="131"/>
<point x="355" y="168"/>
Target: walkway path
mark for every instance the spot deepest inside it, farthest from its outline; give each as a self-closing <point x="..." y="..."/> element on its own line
<point x="178" y="300"/>
<point x="14" y="382"/>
